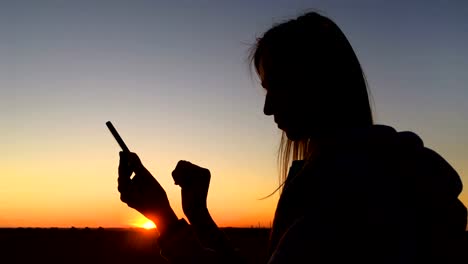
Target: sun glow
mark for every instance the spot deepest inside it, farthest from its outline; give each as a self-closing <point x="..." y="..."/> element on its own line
<point x="143" y="222"/>
<point x="148" y="225"/>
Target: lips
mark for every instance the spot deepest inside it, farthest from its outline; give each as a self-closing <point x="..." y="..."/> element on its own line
<point x="279" y="123"/>
<point x="277" y="119"/>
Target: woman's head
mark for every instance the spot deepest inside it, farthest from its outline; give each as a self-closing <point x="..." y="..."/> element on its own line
<point x="314" y="82"/>
<point x="312" y="76"/>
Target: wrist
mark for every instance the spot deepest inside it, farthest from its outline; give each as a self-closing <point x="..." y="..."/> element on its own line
<point x="163" y="219"/>
<point x="202" y="220"/>
<point x="197" y="215"/>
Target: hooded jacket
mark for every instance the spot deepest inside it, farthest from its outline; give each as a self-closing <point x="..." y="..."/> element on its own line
<point x="375" y="196"/>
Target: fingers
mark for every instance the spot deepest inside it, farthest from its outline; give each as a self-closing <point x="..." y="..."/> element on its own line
<point x="142" y="191"/>
<point x="186" y="174"/>
<point x="139" y="193"/>
<point x="125" y="197"/>
<point x="180" y="172"/>
<point x="136" y="164"/>
<point x="131" y="191"/>
<point x="128" y="164"/>
<point x="130" y="197"/>
<point x="134" y="159"/>
<point x="125" y="169"/>
<point x="125" y="172"/>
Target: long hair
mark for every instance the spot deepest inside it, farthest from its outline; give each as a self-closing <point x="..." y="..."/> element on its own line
<point x="317" y="47"/>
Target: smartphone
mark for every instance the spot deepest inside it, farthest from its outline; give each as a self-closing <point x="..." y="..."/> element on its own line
<point x="117" y="136"/>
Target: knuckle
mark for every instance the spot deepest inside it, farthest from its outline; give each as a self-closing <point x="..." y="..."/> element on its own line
<point x="181" y="163"/>
<point x="134" y="157"/>
<point x="123" y="198"/>
<point x="181" y="166"/>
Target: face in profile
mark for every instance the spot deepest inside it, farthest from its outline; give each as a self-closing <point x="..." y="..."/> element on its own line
<point x="288" y="99"/>
<point x="314" y="83"/>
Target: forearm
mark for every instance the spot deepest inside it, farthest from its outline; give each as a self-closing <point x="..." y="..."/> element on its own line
<point x="202" y="221"/>
<point x="163" y="220"/>
<point x="180" y="245"/>
<point x="209" y="233"/>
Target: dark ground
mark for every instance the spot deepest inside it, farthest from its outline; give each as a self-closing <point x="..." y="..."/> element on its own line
<point x="76" y="245"/>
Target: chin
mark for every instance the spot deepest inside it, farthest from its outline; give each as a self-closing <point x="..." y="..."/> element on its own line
<point x="294" y="135"/>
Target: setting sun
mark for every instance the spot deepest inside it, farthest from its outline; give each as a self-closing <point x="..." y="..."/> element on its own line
<point x="143" y="222"/>
<point x="148" y="225"/>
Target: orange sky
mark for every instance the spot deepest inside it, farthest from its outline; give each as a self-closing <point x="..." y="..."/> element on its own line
<point x="49" y="188"/>
<point x="79" y="189"/>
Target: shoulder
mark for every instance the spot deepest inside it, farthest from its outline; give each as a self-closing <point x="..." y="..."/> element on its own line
<point x="372" y="164"/>
<point x="380" y="150"/>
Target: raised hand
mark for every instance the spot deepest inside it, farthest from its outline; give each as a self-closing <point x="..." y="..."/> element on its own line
<point x="143" y="192"/>
<point x="194" y="181"/>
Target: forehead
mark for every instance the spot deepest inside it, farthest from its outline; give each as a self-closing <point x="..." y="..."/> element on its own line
<point x="268" y="67"/>
<point x="276" y="71"/>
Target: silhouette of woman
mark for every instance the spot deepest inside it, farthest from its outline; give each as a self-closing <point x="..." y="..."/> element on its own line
<point x="355" y="192"/>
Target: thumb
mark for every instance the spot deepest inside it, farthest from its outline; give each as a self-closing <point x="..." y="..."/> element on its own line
<point x="135" y="162"/>
<point x="125" y="170"/>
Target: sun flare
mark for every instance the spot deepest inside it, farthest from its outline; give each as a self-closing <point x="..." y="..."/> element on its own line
<point x="143" y="222"/>
<point x="148" y="225"/>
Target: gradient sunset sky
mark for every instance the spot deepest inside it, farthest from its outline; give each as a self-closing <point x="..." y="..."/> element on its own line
<point x="174" y="79"/>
